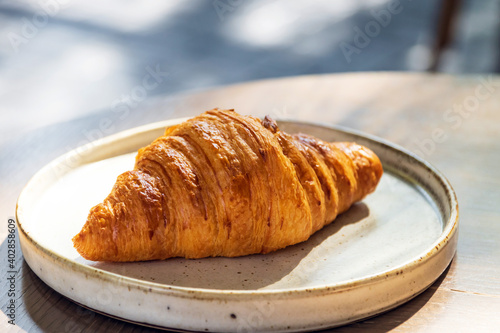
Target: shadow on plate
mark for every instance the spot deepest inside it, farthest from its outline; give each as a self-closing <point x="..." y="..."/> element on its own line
<point x="242" y="273"/>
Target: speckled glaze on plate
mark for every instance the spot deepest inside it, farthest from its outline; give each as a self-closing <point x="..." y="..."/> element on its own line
<point x="381" y="253"/>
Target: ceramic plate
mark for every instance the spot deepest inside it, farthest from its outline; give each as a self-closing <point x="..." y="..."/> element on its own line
<point x="379" y="254"/>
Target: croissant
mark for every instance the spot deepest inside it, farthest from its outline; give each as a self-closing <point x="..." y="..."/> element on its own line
<point x="224" y="184"/>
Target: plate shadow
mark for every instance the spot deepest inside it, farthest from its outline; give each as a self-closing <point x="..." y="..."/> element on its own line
<point x="243" y="273"/>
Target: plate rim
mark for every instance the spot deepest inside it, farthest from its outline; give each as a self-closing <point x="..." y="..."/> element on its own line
<point x="450" y="228"/>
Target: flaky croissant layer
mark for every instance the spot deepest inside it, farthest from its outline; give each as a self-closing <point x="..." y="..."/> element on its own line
<point x="223" y="184"/>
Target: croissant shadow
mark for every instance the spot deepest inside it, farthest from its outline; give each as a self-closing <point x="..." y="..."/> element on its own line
<point x="243" y="273"/>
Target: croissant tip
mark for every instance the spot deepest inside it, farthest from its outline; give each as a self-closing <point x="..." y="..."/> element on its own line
<point x="77" y="244"/>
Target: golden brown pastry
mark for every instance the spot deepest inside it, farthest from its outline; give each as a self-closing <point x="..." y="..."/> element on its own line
<point x="223" y="184"/>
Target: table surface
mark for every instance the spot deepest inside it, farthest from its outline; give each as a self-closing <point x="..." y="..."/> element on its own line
<point x="453" y="122"/>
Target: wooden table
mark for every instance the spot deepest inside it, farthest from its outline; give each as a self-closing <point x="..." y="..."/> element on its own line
<point x="453" y="122"/>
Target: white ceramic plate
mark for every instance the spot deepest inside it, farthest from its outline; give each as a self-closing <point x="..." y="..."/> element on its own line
<point x="378" y="255"/>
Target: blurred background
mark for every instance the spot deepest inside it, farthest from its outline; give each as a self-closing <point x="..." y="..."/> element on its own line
<point x="65" y="59"/>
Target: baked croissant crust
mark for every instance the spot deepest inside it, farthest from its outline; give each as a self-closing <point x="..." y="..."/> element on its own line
<point x="224" y="184"/>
